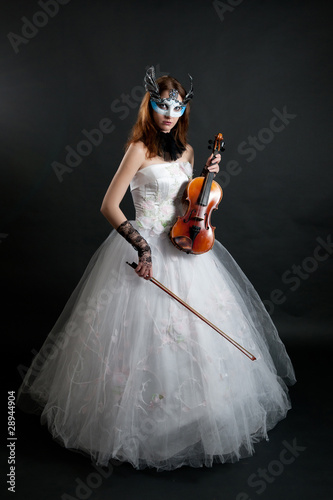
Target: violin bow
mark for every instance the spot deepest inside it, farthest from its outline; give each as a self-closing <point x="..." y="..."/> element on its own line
<point x="205" y="320"/>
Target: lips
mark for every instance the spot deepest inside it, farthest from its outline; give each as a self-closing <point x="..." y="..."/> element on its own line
<point x="167" y="123"/>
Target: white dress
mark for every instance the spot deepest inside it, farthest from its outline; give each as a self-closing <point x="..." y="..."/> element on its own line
<point x="128" y="373"/>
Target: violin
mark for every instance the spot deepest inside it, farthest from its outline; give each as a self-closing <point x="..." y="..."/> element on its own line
<point x="193" y="232"/>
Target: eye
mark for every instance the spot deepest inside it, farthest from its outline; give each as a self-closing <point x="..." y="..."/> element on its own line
<point x="162" y="106"/>
<point x="178" y="108"/>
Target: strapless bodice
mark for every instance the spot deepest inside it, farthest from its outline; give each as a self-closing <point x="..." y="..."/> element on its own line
<point x="157" y="192"/>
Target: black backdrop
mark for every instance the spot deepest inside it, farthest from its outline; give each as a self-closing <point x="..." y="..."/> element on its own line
<point x="261" y="73"/>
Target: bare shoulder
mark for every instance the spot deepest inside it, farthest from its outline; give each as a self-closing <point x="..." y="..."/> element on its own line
<point x="137" y="148"/>
<point x="189" y="153"/>
<point x="189" y="149"/>
<point x="135" y="156"/>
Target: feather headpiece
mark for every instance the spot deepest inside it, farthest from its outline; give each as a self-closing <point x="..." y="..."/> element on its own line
<point x="152" y="87"/>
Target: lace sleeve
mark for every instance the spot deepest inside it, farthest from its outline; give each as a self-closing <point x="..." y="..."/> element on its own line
<point x="137" y="241"/>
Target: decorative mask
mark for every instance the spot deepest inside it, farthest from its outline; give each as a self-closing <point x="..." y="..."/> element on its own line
<point x="169" y="106"/>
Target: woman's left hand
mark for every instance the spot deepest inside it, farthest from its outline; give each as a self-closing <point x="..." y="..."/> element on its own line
<point x="212" y="164"/>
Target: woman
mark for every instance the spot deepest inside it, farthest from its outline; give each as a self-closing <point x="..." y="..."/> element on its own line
<point x="129" y="374"/>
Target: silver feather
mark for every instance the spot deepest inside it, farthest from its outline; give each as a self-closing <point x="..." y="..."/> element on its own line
<point x="151" y="85"/>
<point x="190" y="93"/>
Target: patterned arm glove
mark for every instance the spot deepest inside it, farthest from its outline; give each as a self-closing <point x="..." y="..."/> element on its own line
<point x="137" y="241"/>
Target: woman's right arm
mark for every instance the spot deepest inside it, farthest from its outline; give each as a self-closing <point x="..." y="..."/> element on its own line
<point x="132" y="161"/>
<point x="130" y="164"/>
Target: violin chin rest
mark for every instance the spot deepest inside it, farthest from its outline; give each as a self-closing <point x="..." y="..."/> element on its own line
<point x="184" y="242"/>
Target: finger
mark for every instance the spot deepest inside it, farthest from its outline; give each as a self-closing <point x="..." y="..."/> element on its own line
<point x="214" y="168"/>
<point x="217" y="159"/>
<point x="143" y="272"/>
<point x="140" y="270"/>
<point x="146" y="272"/>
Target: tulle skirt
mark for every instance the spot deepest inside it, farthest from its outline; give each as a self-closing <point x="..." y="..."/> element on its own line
<point x="128" y="373"/>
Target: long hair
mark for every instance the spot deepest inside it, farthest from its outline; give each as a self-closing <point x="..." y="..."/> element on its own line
<point x="146" y="130"/>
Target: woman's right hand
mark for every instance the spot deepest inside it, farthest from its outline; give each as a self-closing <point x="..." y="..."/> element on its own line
<point x="144" y="269"/>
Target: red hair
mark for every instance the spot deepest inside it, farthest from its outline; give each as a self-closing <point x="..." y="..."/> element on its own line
<point x="145" y="128"/>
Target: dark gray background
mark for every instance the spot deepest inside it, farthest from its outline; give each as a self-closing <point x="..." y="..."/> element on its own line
<point x="245" y="61"/>
<point x="255" y="57"/>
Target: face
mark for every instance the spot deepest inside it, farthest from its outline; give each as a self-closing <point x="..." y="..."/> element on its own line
<point x="167" y="113"/>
